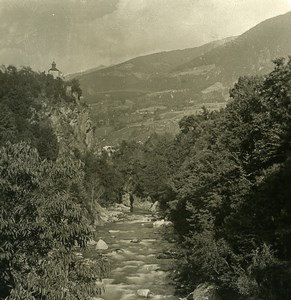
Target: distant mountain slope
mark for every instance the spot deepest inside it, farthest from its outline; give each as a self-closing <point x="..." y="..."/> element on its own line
<point x="250" y="53"/>
<point x="199" y="67"/>
<point x="138" y="73"/>
<point x="78" y="74"/>
<point x="149" y="93"/>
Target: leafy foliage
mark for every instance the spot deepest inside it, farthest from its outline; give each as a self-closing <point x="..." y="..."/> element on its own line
<point x="21" y="96"/>
<point x="42" y="220"/>
<point x="101" y="179"/>
<point x="232" y="189"/>
<point x="44" y="211"/>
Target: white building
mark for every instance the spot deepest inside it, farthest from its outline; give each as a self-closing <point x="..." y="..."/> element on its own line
<point x="55" y="72"/>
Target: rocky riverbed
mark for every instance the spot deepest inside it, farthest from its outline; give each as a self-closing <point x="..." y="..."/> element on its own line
<point x="138" y="257"/>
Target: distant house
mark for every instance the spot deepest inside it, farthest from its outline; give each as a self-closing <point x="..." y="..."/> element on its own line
<point x="55" y="72"/>
<point x="109" y="150"/>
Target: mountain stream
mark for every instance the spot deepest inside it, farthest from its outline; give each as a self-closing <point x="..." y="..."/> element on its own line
<point x="136" y="255"/>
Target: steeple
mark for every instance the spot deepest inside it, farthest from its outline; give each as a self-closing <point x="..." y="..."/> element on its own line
<point x="54" y="67"/>
<point x="54" y="71"/>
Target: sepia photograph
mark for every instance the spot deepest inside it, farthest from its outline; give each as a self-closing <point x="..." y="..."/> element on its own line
<point x="145" y="149"/>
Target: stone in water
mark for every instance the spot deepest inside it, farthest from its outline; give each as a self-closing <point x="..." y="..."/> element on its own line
<point x="144" y="293"/>
<point x="101" y="245"/>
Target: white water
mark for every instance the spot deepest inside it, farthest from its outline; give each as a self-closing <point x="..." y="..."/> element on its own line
<point x="134" y="265"/>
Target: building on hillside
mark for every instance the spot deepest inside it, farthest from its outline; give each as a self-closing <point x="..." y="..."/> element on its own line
<point x="109" y="150"/>
<point x="55" y="72"/>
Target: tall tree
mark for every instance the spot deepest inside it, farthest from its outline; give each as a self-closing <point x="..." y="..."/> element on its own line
<point x="42" y="219"/>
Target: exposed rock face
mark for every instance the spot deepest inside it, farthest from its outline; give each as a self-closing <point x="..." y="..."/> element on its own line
<point x="72" y="125"/>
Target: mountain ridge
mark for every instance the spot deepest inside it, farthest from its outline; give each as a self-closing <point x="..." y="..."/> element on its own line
<point x="136" y="71"/>
<point x="261" y="37"/>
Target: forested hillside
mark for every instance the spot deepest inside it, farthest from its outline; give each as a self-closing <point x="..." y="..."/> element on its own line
<point x="224" y="181"/>
<point x="45" y="207"/>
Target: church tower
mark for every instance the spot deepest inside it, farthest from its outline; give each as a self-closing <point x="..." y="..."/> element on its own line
<point x="54" y="71"/>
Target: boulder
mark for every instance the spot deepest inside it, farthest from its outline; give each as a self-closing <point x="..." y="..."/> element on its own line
<point x="155" y="207"/>
<point x="146" y="293"/>
<point x="101" y="245"/>
<point x="161" y="223"/>
<point x="206" y="291"/>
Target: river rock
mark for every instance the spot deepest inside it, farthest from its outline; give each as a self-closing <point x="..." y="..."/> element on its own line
<point x="161" y="223"/>
<point x="144" y="293"/>
<point x="101" y="245"/>
<point x="155" y="207"/>
<point x="118" y="250"/>
<point x="135" y="241"/>
<point x="206" y="291"/>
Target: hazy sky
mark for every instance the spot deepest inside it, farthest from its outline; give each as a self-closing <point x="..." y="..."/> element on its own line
<point x="81" y="34"/>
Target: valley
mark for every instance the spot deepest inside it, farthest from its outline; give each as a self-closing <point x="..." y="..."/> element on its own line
<point x="148" y="94"/>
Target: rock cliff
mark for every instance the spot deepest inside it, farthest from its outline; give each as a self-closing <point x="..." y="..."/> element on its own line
<point x="72" y="125"/>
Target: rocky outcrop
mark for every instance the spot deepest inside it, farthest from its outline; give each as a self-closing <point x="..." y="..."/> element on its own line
<point x="72" y="125"/>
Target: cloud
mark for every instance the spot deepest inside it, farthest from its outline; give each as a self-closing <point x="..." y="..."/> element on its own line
<point x="81" y="34"/>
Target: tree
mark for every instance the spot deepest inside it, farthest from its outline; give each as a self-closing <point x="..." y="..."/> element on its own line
<point x="8" y="128"/>
<point x="20" y="109"/>
<point x="42" y="219"/>
<point x="232" y="207"/>
<point x="102" y="180"/>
